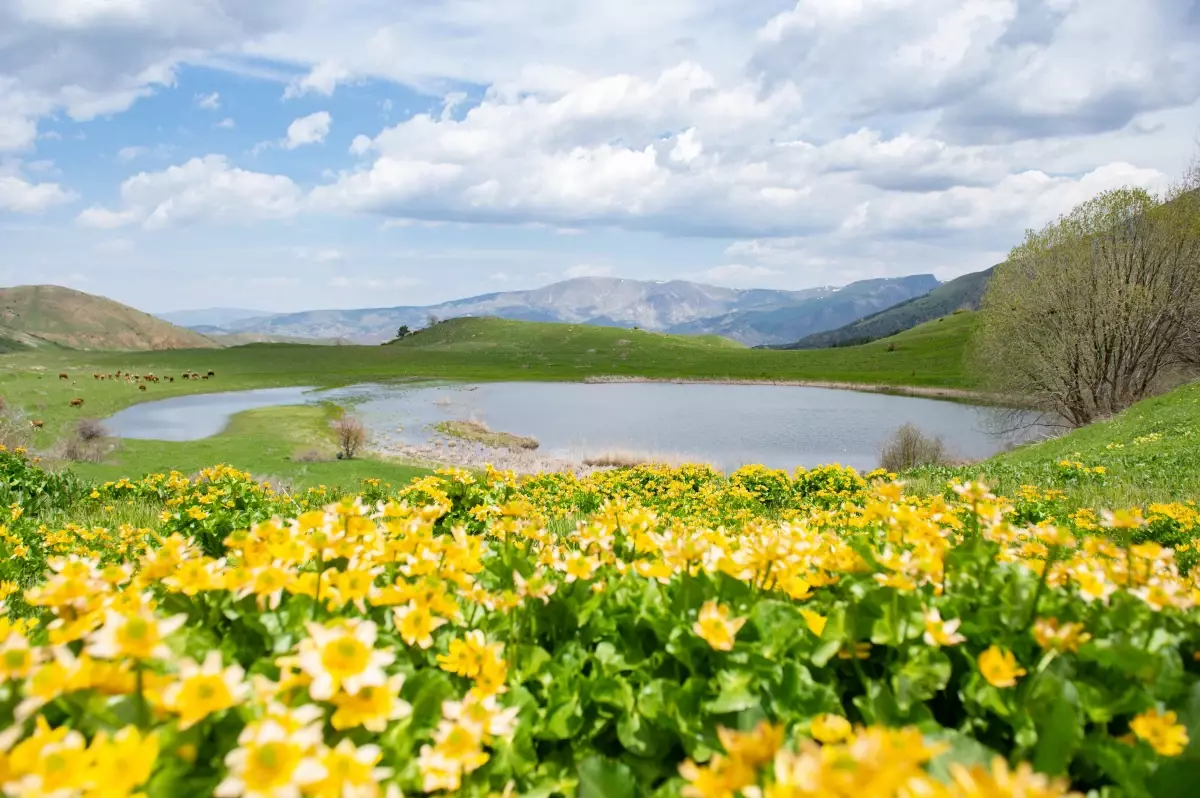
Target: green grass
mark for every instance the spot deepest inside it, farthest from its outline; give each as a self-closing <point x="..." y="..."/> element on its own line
<point x="1163" y="467"/>
<point x="263" y="442"/>
<point x="478" y="432"/>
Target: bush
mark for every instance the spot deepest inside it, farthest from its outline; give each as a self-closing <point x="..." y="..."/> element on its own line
<point x="90" y="429"/>
<point x="351" y="436"/>
<point x="15" y="429"/>
<point x="909" y="448"/>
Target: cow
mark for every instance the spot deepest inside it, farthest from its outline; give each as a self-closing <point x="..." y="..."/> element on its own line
<point x="38" y="423"/>
<point x="141" y="387"/>
<point x="62" y="375"/>
<point x="77" y="402"/>
<point x="212" y="373"/>
<point x="172" y="379"/>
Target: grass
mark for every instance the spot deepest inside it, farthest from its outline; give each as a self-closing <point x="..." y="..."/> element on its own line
<point x="1149" y="453"/>
<point x="478" y="432"/>
<point x="263" y="442"/>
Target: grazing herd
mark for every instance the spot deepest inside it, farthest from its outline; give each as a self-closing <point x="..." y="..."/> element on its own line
<point x="141" y="380"/>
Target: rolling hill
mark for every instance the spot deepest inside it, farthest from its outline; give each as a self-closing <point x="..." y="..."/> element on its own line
<point x="213" y="317"/>
<point x="964" y="292"/>
<point x="750" y="316"/>
<point x="36" y="315"/>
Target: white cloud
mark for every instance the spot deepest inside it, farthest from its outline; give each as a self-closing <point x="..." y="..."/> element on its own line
<point x="116" y="246"/>
<point x="362" y="282"/>
<point x="323" y="79"/>
<point x="588" y="270"/>
<point x="130" y="153"/>
<point x="327" y="255"/>
<point x="202" y="189"/>
<point x="737" y="274"/>
<point x="209" y="102"/>
<point x="311" y="129"/>
<point x="226" y="124"/>
<point x="20" y="196"/>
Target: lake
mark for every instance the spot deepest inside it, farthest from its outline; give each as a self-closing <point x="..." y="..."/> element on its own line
<point x="725" y="425"/>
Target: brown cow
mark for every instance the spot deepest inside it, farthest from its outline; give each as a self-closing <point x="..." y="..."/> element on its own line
<point x="76" y="402"/>
<point x="212" y="373"/>
<point x="62" y="375"/>
<point x="172" y="379"/>
<point x="38" y="423"/>
<point x="141" y="387"/>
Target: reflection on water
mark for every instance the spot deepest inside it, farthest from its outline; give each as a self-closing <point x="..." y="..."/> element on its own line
<point x="726" y="425"/>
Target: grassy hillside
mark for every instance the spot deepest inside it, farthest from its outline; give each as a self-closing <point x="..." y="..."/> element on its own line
<point x="73" y="319"/>
<point x="1149" y="453"/>
<point x="962" y="292"/>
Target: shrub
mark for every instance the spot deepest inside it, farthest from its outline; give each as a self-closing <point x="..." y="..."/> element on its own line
<point x="90" y="429"/>
<point x="351" y="436"/>
<point x="15" y="429"/>
<point x="909" y="448"/>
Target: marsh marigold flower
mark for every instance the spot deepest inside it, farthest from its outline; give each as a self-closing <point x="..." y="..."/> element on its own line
<point x="830" y="728"/>
<point x="715" y="627"/>
<point x="1162" y="731"/>
<point x="1000" y="667"/>
<point x="342" y="657"/>
<point x="941" y="633"/>
<point x="205" y="689"/>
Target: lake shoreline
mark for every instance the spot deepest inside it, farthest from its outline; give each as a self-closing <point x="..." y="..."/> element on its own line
<point x="925" y="392"/>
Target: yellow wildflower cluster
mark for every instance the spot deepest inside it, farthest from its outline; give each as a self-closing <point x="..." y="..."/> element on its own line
<point x="464" y="634"/>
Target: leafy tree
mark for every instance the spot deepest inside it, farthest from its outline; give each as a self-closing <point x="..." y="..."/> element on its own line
<point x="403" y="332"/>
<point x="1090" y="313"/>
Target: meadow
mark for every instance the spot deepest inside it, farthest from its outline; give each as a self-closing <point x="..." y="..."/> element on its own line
<point x="471" y="349"/>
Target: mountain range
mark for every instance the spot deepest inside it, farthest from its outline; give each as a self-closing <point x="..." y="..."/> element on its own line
<point x="752" y="316"/>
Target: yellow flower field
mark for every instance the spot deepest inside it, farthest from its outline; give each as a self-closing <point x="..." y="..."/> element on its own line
<point x="641" y="632"/>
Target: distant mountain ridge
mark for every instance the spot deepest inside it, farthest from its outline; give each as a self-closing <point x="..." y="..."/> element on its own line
<point x="962" y="293"/>
<point x="40" y="315"/>
<point x="751" y="316"/>
<point x="211" y="317"/>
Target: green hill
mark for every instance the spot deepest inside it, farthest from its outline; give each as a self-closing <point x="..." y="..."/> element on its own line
<point x="959" y="293"/>
<point x="51" y="314"/>
<point x="1149" y="453"/>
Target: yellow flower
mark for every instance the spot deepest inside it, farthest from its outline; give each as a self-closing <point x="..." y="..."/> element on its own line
<point x="1162" y="731"/>
<point x="1000" y="667"/>
<point x="350" y="771"/>
<point x="123" y="763"/>
<point x="466" y="656"/>
<point x="342" y="657"/>
<point x="205" y="689"/>
<point x="136" y="634"/>
<point x="941" y="633"/>
<point x="830" y="728"/>
<point x="271" y="762"/>
<point x="814" y="621"/>
<point x="371" y="707"/>
<point x="715" y="627"/>
<point x="1054" y="636"/>
<point x="417" y="624"/>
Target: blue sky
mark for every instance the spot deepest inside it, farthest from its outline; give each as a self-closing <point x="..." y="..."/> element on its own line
<point x="293" y="154"/>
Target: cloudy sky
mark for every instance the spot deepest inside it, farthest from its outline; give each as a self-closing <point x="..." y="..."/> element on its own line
<point x="291" y="154"/>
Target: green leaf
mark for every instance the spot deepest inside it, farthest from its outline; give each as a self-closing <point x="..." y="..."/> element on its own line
<point x="1059" y="730"/>
<point x="735" y="693"/>
<point x="563" y="722"/>
<point x="606" y="778"/>
<point x="613" y="692"/>
<point x="964" y="750"/>
<point x="924" y="673"/>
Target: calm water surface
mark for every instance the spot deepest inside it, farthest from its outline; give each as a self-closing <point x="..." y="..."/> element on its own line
<point x="726" y="425"/>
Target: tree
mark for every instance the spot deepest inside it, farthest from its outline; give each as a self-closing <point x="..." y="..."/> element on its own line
<point x="1090" y="313"/>
<point x="402" y="332"/>
<point x="351" y="436"/>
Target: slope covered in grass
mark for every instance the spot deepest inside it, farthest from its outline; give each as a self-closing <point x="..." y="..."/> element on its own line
<point x="76" y="320"/>
<point x="1149" y="453"/>
<point x="964" y="292"/>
